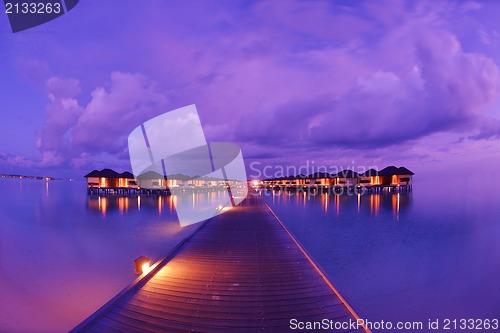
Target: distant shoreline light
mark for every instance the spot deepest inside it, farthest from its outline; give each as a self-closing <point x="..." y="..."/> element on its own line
<point x="27" y="177"/>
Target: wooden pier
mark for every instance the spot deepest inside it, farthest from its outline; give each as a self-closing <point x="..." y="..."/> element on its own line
<point x="241" y="271"/>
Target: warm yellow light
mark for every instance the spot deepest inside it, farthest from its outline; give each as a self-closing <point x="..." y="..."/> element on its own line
<point x="103" y="205"/>
<point x="219" y="207"/>
<point x="142" y="265"/>
<point x="255" y="182"/>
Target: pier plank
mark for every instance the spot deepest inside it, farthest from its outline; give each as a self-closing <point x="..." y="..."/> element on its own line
<point x="241" y="272"/>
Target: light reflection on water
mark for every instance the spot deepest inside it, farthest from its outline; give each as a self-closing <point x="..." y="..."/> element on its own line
<point x="431" y="253"/>
<point x="426" y="254"/>
<point x="370" y="204"/>
<point x="163" y="205"/>
<point x="64" y="254"/>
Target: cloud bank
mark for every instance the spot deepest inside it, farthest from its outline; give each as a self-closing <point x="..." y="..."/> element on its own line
<point x="276" y="77"/>
<point x="73" y="133"/>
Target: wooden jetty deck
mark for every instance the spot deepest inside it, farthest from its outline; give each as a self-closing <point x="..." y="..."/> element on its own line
<point x="240" y="272"/>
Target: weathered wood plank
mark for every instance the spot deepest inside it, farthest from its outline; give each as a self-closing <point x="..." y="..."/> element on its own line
<point x="241" y="272"/>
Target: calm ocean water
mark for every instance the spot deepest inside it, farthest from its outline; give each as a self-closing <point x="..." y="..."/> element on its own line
<point x="433" y="253"/>
<point x="64" y="254"/>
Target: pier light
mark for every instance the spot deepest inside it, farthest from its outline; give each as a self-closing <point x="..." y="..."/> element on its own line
<point x="142" y="265"/>
<point x="220" y="207"/>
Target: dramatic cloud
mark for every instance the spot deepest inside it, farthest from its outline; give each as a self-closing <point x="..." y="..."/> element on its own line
<point x="74" y="132"/>
<point x="284" y="80"/>
<point x="447" y="89"/>
<point x="426" y="84"/>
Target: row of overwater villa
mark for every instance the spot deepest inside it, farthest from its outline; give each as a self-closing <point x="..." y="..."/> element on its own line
<point x="108" y="181"/>
<point x="390" y="178"/>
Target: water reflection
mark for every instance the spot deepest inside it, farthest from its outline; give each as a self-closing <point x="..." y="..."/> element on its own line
<point x="429" y="253"/>
<point x="396" y="201"/>
<point x="374" y="204"/>
<point x="54" y="229"/>
<point x="336" y="204"/>
<point x="163" y="205"/>
<point x="106" y="204"/>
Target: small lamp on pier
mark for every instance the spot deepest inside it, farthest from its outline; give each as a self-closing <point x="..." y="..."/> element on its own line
<point x="142" y="265"/>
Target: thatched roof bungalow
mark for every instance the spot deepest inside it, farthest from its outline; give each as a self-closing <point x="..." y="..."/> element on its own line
<point x="369" y="178"/>
<point x="346" y="178"/>
<point x="395" y="176"/>
<point x="108" y="178"/>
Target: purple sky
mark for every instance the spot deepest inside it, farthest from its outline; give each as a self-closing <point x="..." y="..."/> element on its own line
<point x="375" y="82"/>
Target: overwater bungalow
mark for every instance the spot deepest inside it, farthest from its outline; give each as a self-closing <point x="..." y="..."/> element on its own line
<point x="109" y="180"/>
<point x="267" y="183"/>
<point x="292" y="182"/>
<point x="212" y="182"/>
<point x="308" y="181"/>
<point x="300" y="179"/>
<point x="346" y="178"/>
<point x="178" y="180"/>
<point x="369" y="178"/>
<point x="127" y="180"/>
<point x="322" y="179"/>
<point x="151" y="180"/>
<point x="391" y="178"/>
<point x="280" y="183"/>
<point x="394" y="176"/>
<point x="93" y="178"/>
